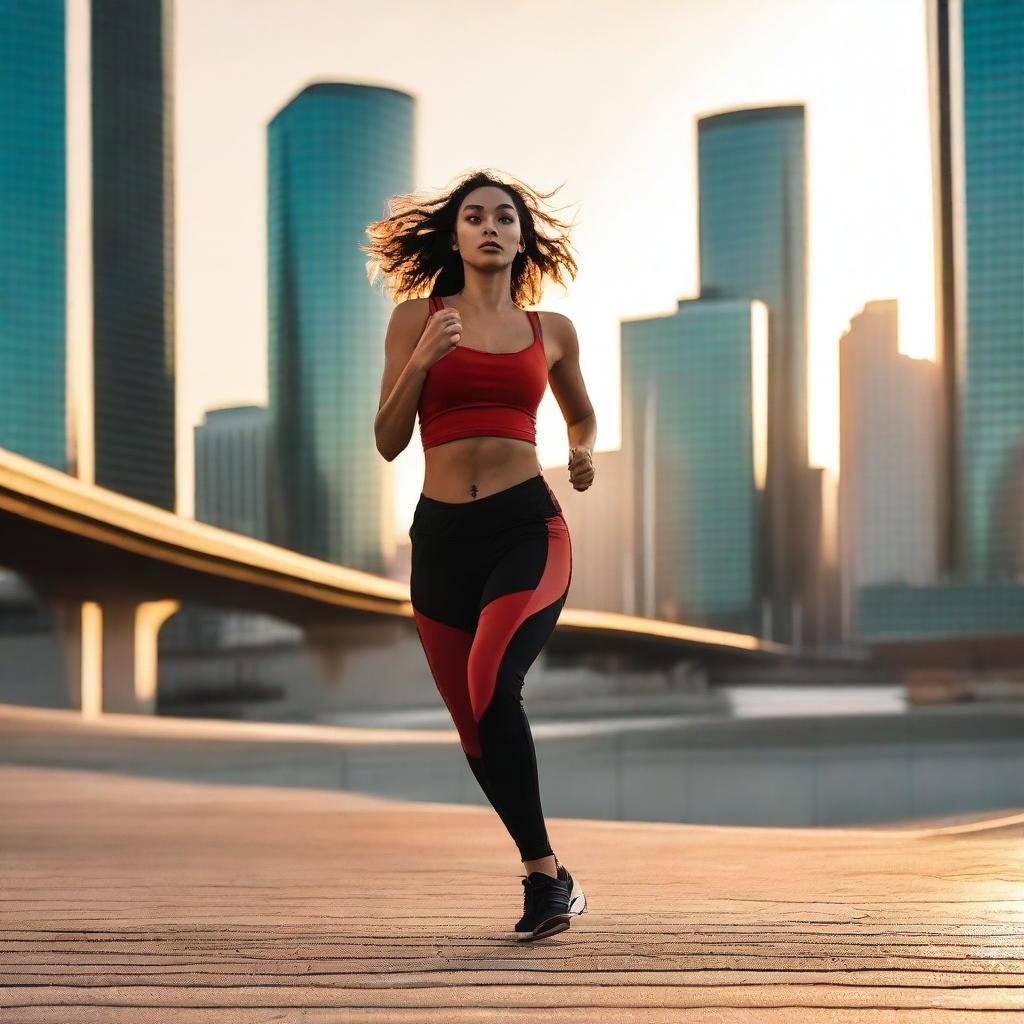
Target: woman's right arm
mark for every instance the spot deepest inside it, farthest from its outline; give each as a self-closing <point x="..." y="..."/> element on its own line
<point x="402" y="380"/>
<point x="411" y="347"/>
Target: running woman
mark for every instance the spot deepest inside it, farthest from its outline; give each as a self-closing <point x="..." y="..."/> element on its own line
<point x="491" y="553"/>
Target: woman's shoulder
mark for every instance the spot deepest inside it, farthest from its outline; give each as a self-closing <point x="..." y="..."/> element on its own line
<point x="549" y="316"/>
<point x="413" y="305"/>
<point x="559" y="334"/>
<point x="410" y="310"/>
<point x="554" y="325"/>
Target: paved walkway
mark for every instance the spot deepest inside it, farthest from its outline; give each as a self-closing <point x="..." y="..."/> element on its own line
<point x="140" y="900"/>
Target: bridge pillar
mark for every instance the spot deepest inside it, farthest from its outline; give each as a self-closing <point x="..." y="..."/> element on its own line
<point x="110" y="652"/>
<point x="130" y="630"/>
<point x="79" y="630"/>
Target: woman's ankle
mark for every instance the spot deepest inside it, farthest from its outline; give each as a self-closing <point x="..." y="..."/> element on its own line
<point x="545" y="865"/>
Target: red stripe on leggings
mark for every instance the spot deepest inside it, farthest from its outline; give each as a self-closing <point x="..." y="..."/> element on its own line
<point x="500" y="618"/>
<point x="447" y="650"/>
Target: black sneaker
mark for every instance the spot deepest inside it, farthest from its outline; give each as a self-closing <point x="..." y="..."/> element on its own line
<point x="545" y="907"/>
<point x="577" y="899"/>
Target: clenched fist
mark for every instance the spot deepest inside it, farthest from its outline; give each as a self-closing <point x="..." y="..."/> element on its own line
<point x="581" y="468"/>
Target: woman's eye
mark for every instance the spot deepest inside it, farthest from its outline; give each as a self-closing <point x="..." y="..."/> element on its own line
<point x="504" y="216"/>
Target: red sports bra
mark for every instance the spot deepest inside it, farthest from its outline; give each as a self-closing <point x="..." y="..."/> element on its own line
<point x="472" y="393"/>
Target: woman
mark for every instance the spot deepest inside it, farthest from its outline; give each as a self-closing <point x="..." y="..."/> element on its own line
<point x="491" y="553"/>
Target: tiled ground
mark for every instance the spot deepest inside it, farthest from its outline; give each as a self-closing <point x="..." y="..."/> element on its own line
<point x="127" y="899"/>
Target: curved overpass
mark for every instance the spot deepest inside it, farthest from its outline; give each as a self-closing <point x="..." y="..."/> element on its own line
<point x="114" y="568"/>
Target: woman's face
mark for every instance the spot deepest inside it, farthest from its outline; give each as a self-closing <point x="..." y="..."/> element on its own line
<point x="488" y="215"/>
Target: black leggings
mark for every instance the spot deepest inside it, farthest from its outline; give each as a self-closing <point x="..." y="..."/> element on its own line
<point x="489" y="578"/>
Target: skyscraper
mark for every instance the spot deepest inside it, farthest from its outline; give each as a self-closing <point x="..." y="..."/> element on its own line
<point x="752" y="181"/>
<point x="694" y="424"/>
<point x="133" y="334"/>
<point x="33" y="258"/>
<point x="889" y="460"/>
<point x="231" y="469"/>
<point x="336" y="153"/>
<point x="819" y="625"/>
<point x="977" y="72"/>
<point x="976" y="68"/>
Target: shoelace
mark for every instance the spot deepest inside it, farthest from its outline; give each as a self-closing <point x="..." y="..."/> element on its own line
<point x="528" y="888"/>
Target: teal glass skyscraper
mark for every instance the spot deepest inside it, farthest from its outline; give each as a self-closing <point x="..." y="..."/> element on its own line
<point x="133" y="248"/>
<point x="33" y="259"/>
<point x="986" y="80"/>
<point x="752" y="210"/>
<point x="336" y="153"/>
<point x="694" y="405"/>
<point x="976" y="55"/>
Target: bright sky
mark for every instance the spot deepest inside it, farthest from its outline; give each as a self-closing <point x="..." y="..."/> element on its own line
<point x="596" y="94"/>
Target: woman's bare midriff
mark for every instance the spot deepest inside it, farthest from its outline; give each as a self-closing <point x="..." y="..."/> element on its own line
<point x="489" y="464"/>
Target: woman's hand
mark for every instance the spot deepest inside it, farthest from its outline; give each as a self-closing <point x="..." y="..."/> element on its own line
<point x="443" y="331"/>
<point x="581" y="468"/>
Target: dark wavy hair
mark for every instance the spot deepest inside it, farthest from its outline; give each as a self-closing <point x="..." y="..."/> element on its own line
<point x="411" y="247"/>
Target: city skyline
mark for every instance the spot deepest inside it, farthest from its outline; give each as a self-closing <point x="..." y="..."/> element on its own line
<point x="890" y="255"/>
<point x="720" y="519"/>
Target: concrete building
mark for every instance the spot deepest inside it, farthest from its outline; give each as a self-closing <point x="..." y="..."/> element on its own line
<point x="889" y="450"/>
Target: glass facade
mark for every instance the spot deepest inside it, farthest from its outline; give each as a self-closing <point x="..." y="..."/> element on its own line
<point x="336" y="153"/>
<point x="33" y="230"/>
<point x="890" y="611"/>
<point x="752" y="209"/>
<point x="694" y="396"/>
<point x="976" y="50"/>
<point x="991" y="455"/>
<point x="231" y="469"/>
<point x="133" y="251"/>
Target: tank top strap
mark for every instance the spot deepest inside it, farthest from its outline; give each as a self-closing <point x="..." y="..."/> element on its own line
<point x="538" y="334"/>
<point x="433" y="305"/>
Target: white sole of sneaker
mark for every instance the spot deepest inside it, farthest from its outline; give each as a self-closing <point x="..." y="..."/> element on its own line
<point x="552" y="926"/>
<point x="577" y="899"/>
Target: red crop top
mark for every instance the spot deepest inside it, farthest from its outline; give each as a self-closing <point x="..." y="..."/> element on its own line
<point x="472" y="393"/>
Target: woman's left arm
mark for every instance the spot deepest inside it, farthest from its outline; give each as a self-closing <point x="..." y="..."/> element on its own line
<point x="570" y="392"/>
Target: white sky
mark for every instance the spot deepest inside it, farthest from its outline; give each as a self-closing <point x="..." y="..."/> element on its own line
<point x="601" y="96"/>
